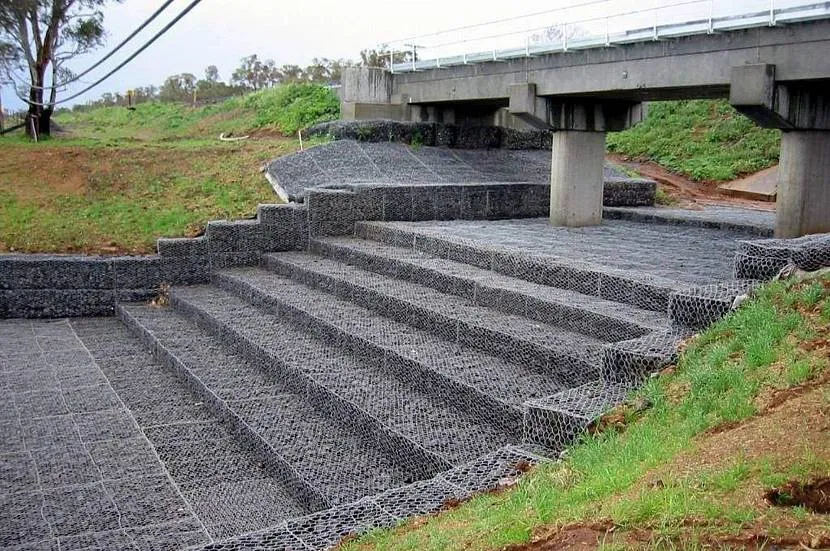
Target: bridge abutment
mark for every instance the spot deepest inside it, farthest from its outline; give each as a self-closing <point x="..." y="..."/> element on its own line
<point x="367" y="93"/>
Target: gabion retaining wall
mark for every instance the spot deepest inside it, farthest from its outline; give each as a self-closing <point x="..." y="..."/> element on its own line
<point x="335" y="211"/>
<point x="345" y="162"/>
<point x="764" y="259"/>
<point x="432" y="134"/>
<point x="51" y="286"/>
<point x="379" y="378"/>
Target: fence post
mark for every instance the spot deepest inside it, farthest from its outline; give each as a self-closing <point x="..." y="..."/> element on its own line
<point x="711" y="27"/>
<point x="656" y="13"/>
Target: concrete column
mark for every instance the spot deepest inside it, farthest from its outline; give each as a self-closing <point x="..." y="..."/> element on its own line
<point x="576" y="179"/>
<point x="803" y="205"/>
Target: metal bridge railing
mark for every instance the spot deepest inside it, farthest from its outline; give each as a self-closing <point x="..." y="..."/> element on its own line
<point x="579" y="27"/>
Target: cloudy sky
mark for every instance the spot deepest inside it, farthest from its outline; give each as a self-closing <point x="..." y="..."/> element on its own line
<point x="220" y="32"/>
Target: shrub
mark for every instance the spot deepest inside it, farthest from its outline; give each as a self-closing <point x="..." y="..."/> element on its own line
<point x="292" y="107"/>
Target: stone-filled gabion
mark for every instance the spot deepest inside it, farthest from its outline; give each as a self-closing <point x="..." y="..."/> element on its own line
<point x="52" y="286"/>
<point x="381" y="352"/>
<point x="764" y="259"/>
<point x="343" y="163"/>
<point x="432" y="134"/>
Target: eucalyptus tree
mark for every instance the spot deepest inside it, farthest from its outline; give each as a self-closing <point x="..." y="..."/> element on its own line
<point x="37" y="39"/>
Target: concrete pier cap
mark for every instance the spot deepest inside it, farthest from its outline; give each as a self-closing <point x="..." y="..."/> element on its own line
<point x="578" y="147"/>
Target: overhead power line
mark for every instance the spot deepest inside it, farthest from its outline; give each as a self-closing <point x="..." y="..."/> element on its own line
<point x="503" y="20"/>
<point x="112" y="53"/>
<point x="121" y="65"/>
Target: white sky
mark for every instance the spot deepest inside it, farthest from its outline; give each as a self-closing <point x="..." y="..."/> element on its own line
<point x="220" y="32"/>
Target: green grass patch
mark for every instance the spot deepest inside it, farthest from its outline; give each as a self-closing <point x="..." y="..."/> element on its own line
<point x="290" y="107"/>
<point x="154" y="121"/>
<point x="284" y="109"/>
<point x="114" y="179"/>
<point x="702" y="139"/>
<point x="718" y="380"/>
<point x="91" y="198"/>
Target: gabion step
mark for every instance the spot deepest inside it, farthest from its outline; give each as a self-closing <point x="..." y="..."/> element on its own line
<point x="700" y="306"/>
<point x="420" y="433"/>
<point x="322" y="462"/>
<point x="642" y="290"/>
<point x="485" y="385"/>
<point x="325" y="529"/>
<point x="554" y="421"/>
<point x="568" y="357"/>
<point x="588" y="314"/>
<point x="227" y="487"/>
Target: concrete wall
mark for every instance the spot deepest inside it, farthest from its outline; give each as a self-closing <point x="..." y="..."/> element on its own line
<point x="366" y="85"/>
<point x="351" y="111"/>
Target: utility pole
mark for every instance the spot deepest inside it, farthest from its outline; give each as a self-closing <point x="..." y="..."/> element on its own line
<point x="2" y="114"/>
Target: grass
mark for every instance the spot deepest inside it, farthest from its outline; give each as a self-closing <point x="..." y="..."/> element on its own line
<point x="275" y="111"/>
<point x="155" y="122"/>
<point x="688" y="469"/>
<point x="119" y="199"/>
<point x="701" y="139"/>
<point x="291" y="107"/>
<point x="115" y="179"/>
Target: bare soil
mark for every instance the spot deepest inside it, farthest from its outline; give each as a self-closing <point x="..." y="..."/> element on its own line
<point x="688" y="193"/>
<point x="813" y="495"/>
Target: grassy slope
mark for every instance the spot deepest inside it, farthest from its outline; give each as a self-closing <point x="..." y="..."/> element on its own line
<point x="704" y="140"/>
<point x="118" y="199"/>
<point x="647" y="480"/>
<point x="118" y="179"/>
<point x="155" y="122"/>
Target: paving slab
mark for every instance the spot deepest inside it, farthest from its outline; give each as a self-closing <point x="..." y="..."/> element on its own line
<point x="761" y="186"/>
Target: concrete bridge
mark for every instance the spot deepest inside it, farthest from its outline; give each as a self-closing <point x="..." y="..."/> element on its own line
<point x="778" y="75"/>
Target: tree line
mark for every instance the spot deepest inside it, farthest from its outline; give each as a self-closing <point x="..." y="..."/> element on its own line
<point x="39" y="38"/>
<point x="252" y="74"/>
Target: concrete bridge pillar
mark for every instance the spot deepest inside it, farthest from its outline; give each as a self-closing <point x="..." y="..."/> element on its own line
<point x="578" y="151"/>
<point x="802" y="111"/>
<point x="803" y="205"/>
<point x="576" y="178"/>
